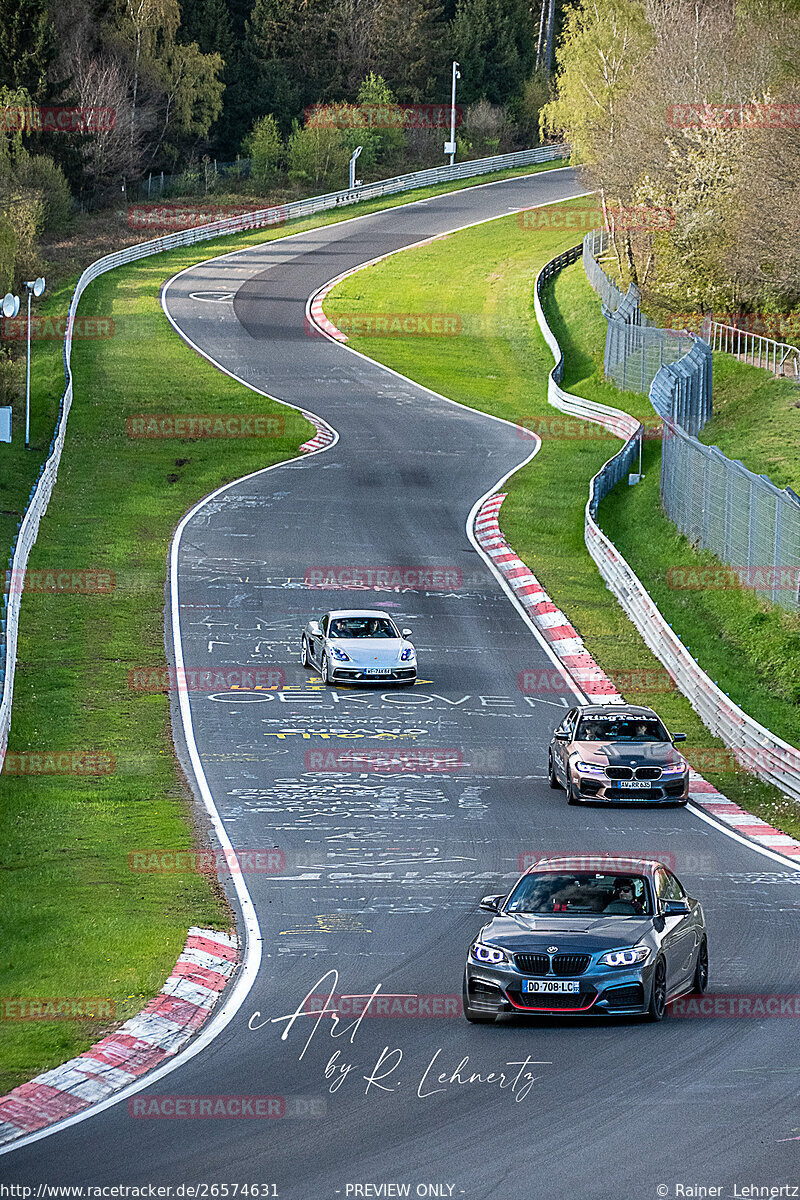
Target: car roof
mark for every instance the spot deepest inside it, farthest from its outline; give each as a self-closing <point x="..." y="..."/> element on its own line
<point x="616" y="864"/>
<point x="636" y="710"/>
<point x="359" y="612"/>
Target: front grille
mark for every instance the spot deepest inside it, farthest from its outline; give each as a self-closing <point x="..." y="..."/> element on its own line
<point x="648" y="772"/>
<point x="533" y="964"/>
<point x="566" y="1000"/>
<point x="562" y="964"/>
<point x="619" y="772"/>
<point x="570" y="964"/>
<point x="628" y="996"/>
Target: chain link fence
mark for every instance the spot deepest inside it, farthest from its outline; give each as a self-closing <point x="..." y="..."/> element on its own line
<point x="741" y="517"/>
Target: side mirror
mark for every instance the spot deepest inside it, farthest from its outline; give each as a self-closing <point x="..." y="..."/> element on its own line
<point x="561" y="735"/>
<point x="679" y="737"/>
<point x="491" y="903"/>
<point x="674" y="908"/>
<point x="315" y="628"/>
<point x="406" y="633"/>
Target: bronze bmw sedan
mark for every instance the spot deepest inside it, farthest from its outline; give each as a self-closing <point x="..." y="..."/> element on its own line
<point x="609" y="753"/>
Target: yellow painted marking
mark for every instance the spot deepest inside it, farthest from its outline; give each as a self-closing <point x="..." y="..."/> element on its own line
<point x="330" y="923"/>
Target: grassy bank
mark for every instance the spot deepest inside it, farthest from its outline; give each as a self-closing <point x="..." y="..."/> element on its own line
<point x="76" y="921"/>
<point x="499" y="364"/>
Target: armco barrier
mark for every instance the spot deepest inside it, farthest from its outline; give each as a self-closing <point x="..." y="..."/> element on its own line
<point x="41" y="492"/>
<point x="755" y="748"/>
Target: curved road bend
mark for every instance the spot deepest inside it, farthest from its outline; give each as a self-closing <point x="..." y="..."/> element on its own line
<point x="384" y="872"/>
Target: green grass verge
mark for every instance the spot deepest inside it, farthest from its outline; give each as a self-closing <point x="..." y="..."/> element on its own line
<point x="75" y="921"/>
<point x="499" y="364"/>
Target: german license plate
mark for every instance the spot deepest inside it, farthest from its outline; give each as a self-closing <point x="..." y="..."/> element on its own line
<point x="377" y="671"/>
<point x="540" y="986"/>
<point x="640" y="784"/>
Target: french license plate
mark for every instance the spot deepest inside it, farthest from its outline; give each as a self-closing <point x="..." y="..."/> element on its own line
<point x="640" y="784"/>
<point x="376" y="671"/>
<point x="550" y="985"/>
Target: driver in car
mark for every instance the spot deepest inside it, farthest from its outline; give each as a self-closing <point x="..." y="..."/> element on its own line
<point x="624" y="902"/>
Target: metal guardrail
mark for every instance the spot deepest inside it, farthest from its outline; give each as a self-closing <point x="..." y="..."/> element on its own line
<point x="754" y="747"/>
<point x="41" y="492"/>
<point x="754" y="348"/>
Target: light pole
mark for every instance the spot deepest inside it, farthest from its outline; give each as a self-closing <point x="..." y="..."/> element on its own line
<point x="34" y="287"/>
<point x="450" y="147"/>
<point x="353" y="158"/>
<point x="9" y="306"/>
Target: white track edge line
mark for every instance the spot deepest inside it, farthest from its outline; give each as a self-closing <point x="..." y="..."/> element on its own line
<point x="251" y="959"/>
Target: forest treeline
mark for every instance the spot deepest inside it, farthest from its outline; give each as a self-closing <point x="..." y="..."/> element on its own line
<point x="686" y="115"/>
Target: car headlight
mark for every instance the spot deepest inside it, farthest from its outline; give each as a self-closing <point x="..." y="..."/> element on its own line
<point x="679" y="770"/>
<point x="626" y="958"/>
<point x="407" y="654"/>
<point x="340" y="654"/>
<point x="489" y="954"/>
<point x="590" y="768"/>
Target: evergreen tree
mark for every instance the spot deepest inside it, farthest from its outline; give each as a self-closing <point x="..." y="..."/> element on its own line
<point x="27" y="45"/>
<point x="208" y="23"/>
<point x="494" y="42"/>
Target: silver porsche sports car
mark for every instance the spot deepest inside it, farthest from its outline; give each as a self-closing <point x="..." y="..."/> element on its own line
<point x="358" y="645"/>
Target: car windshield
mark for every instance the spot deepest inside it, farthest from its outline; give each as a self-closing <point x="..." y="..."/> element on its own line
<point x="590" y="893"/>
<point x="362" y="627"/>
<point x="619" y="728"/>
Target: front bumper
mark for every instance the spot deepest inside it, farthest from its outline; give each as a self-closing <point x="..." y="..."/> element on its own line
<point x="352" y="673"/>
<point x="608" y="791"/>
<point x="609" y="990"/>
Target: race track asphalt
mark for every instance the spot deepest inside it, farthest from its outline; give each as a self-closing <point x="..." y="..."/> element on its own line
<point x="384" y="871"/>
